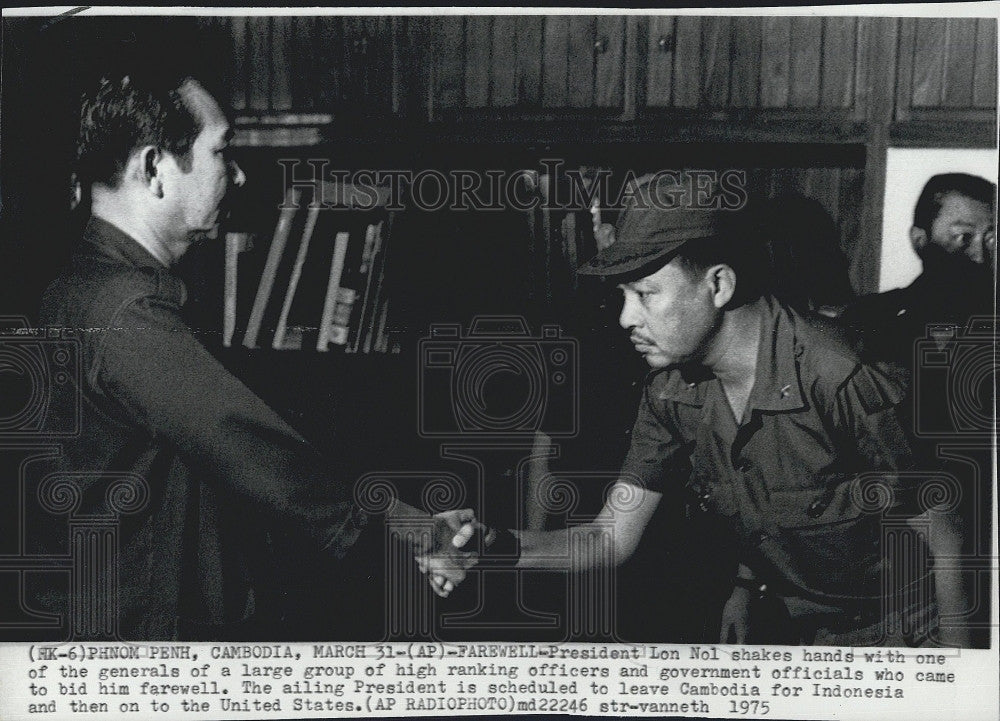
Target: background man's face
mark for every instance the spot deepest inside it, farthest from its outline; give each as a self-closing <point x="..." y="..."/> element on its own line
<point x="965" y="227"/>
<point x="198" y="192"/>
<point x="670" y="316"/>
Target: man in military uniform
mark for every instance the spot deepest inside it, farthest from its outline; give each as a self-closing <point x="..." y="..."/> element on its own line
<point x="768" y="421"/>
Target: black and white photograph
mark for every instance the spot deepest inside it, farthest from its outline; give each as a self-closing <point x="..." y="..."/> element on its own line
<point x="393" y="361"/>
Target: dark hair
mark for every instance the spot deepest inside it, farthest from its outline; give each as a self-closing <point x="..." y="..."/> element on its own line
<point x="934" y="192"/>
<point x="733" y="245"/>
<point x="124" y="112"/>
<point x="806" y="267"/>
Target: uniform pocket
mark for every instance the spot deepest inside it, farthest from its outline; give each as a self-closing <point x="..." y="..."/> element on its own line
<point x="824" y="541"/>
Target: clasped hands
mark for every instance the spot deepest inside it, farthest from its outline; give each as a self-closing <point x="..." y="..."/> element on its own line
<point x="443" y="559"/>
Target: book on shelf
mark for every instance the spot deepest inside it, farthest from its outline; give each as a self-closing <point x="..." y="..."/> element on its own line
<point x="376" y="295"/>
<point x="326" y="324"/>
<point x="236" y="243"/>
<point x="341" y="326"/>
<point x="282" y="231"/>
<point x="352" y="282"/>
<point x="330" y="290"/>
<point x="286" y="338"/>
<point x="370" y="274"/>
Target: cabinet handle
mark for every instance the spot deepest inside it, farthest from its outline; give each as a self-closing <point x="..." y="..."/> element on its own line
<point x="601" y="45"/>
<point x="665" y="43"/>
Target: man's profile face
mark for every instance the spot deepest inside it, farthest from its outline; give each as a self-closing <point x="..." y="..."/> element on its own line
<point x="963" y="227"/>
<point x="196" y="194"/>
<point x="670" y="316"/>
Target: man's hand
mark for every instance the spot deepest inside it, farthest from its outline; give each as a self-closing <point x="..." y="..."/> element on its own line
<point x="442" y="560"/>
<point x="604" y="233"/>
<point x="736" y="617"/>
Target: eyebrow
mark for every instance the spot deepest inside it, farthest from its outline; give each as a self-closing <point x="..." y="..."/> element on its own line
<point x="634" y="285"/>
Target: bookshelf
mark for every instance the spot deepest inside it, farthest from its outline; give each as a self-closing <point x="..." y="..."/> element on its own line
<point x="323" y="286"/>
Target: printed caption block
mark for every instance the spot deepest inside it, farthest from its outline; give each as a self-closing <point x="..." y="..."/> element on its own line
<point x="422" y="679"/>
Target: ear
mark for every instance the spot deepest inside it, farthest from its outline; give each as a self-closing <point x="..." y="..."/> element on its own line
<point x="723" y="284"/>
<point x="149" y="164"/>
<point x="918" y="239"/>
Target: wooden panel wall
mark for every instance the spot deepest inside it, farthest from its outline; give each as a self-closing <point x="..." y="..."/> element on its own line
<point x="531" y="65"/>
<point x="946" y="64"/>
<point x="527" y="62"/>
<point x="751" y="62"/>
<point x="294" y="64"/>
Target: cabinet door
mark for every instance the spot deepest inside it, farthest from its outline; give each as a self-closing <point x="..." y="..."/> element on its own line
<point x="524" y="66"/>
<point x="947" y="69"/>
<point x="342" y="66"/>
<point x="793" y="66"/>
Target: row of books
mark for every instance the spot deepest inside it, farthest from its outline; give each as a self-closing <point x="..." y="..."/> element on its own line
<point x="323" y="283"/>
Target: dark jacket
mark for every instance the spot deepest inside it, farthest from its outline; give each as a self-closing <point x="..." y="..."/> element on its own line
<point x="208" y="465"/>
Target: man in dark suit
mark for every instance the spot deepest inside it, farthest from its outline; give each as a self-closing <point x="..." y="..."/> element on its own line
<point x="954" y="233"/>
<point x="938" y="335"/>
<point x="194" y="464"/>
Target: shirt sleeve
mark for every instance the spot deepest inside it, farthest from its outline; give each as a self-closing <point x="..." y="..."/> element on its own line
<point x="150" y="366"/>
<point x="656" y="459"/>
<point x="868" y="410"/>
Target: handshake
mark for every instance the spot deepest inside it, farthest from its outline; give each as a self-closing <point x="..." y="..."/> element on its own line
<point x="459" y="542"/>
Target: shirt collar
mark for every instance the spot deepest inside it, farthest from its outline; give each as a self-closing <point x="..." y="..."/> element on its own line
<point x="110" y="243"/>
<point x="776" y="384"/>
<point x="113" y="242"/>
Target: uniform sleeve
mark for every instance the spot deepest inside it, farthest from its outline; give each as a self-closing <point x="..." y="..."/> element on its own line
<point x="656" y="458"/>
<point x="868" y="410"/>
<point x="152" y="369"/>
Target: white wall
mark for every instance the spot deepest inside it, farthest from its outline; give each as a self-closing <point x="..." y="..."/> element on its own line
<point x="907" y="169"/>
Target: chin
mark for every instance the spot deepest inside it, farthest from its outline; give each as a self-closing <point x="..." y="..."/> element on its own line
<point x="657" y="360"/>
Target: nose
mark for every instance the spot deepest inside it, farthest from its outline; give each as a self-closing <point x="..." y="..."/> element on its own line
<point x="627" y="318"/>
<point x="236" y="175"/>
<point x="976" y="249"/>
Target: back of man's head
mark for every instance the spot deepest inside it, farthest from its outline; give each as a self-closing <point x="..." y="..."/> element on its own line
<point x="940" y="186"/>
<point x="123" y="112"/>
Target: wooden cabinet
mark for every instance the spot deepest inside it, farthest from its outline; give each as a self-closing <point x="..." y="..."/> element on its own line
<point x="345" y="66"/>
<point x="807" y="65"/>
<point x="589" y="78"/>
<point x="523" y="66"/>
<point x="947" y="69"/>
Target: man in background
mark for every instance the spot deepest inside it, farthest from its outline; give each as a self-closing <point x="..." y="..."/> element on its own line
<point x="954" y="234"/>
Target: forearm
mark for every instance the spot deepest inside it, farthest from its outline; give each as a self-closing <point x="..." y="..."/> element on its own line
<point x="588" y="546"/>
<point x="945" y="544"/>
<point x="608" y="540"/>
